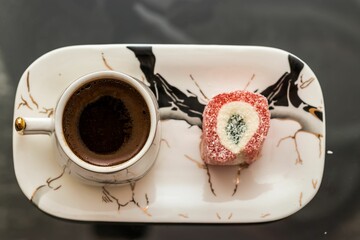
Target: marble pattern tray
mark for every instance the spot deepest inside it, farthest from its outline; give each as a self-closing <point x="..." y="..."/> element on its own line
<point x="180" y="188"/>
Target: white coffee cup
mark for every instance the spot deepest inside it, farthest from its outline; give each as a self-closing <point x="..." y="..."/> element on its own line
<point x="125" y="172"/>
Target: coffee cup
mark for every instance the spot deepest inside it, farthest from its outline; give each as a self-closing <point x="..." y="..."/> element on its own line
<point x="105" y="128"/>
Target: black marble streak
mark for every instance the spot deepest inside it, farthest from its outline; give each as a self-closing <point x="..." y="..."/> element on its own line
<point x="277" y="94"/>
<point x="168" y="96"/>
<point x="171" y="97"/>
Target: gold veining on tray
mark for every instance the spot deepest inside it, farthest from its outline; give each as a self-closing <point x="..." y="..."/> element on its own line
<point x="305" y="84"/>
<point x="183" y="215"/>
<point x="48" y="184"/>
<point x="198" y="164"/>
<point x="24" y="102"/>
<point x="318" y="137"/>
<point x="264" y="215"/>
<point x="206" y="167"/>
<point x="314" y="183"/>
<point x="209" y="179"/>
<point x="33" y="101"/>
<point x="298" y="159"/>
<point x="28" y="88"/>
<point x="28" y="81"/>
<point x="145" y="209"/>
<point x="248" y="83"/>
<point x="48" y="111"/>
<point x="108" y="197"/>
<point x="197" y="85"/>
<point x="105" y="62"/>
<point x="228" y="218"/>
<point x="166" y="142"/>
<point x="300" y="199"/>
<point x="241" y="166"/>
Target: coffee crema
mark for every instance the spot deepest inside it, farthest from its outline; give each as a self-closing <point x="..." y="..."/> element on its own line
<point x="106" y="122"/>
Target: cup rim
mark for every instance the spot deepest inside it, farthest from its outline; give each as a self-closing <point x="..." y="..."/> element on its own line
<point x="73" y="87"/>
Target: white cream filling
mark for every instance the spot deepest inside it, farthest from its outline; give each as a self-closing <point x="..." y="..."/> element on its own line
<point x="248" y="115"/>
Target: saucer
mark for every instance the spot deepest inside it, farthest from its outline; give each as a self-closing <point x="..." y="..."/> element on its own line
<point x="179" y="187"/>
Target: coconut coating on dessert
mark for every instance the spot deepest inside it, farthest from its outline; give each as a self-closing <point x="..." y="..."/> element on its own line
<point x="235" y="126"/>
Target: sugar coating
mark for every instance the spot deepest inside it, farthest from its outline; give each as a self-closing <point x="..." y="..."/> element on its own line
<point x="215" y="146"/>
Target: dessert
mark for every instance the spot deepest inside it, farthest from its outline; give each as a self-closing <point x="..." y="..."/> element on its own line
<point x="235" y="126"/>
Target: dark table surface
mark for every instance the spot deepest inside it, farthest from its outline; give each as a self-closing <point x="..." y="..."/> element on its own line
<point x="325" y="34"/>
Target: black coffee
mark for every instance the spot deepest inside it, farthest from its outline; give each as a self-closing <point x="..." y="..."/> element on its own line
<point x="106" y="122"/>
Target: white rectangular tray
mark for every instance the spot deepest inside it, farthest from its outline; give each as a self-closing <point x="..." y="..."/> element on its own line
<point x="179" y="188"/>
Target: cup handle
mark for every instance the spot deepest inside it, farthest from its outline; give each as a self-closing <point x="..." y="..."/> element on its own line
<point x="27" y="125"/>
